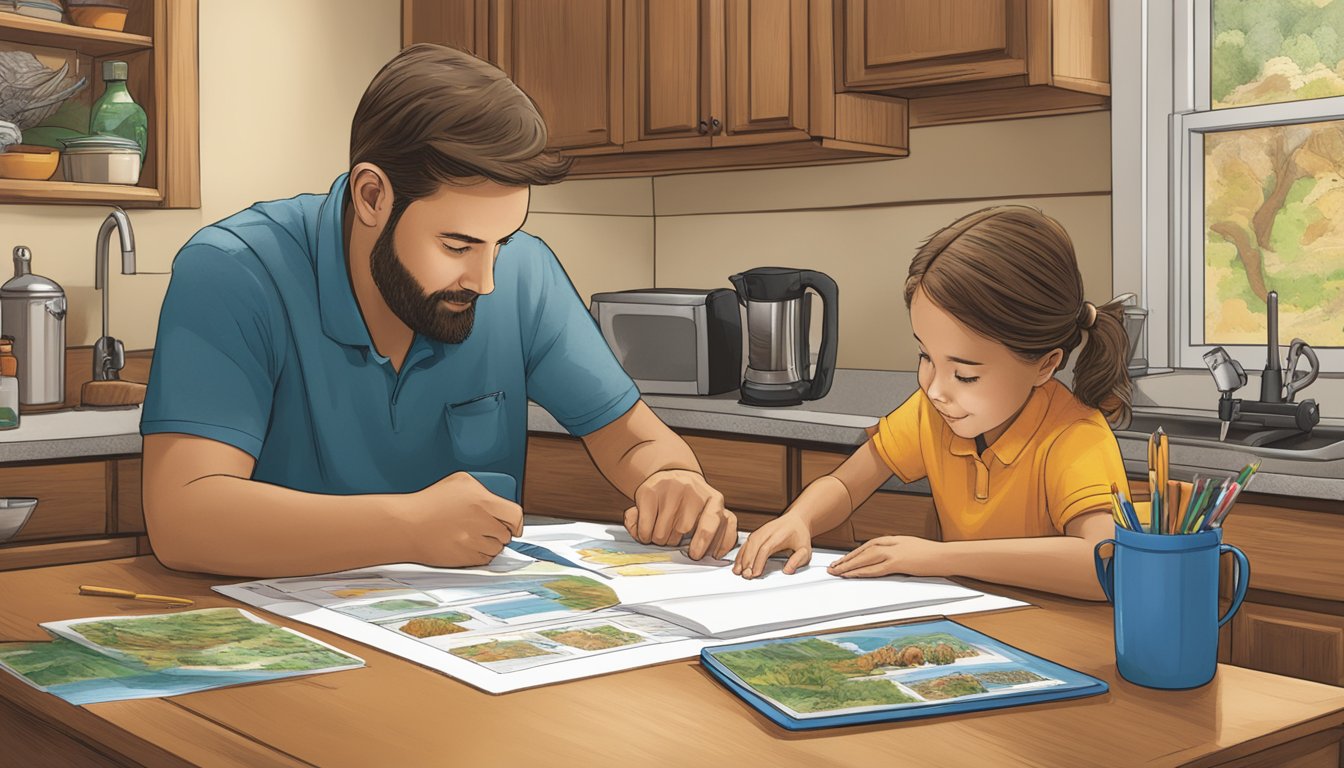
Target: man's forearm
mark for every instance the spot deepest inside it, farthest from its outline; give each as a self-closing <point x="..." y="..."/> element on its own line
<point x="635" y="446"/>
<point x="1058" y="564"/>
<point x="239" y="527"/>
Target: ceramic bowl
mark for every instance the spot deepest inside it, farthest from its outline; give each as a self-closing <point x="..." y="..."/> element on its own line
<point x="13" y="514"/>
<point x="26" y="161"/>
<point x="109" y="17"/>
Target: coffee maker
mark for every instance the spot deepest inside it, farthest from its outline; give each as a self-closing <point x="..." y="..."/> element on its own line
<point x="778" y="319"/>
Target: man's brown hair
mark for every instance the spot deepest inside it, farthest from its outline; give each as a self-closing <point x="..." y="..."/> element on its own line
<point x="1009" y="274"/>
<point x="435" y="115"/>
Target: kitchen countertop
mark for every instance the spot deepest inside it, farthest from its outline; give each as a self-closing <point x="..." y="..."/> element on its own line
<point x="857" y="400"/>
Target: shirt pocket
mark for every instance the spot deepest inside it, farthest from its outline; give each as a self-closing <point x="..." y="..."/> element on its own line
<point x="478" y="429"/>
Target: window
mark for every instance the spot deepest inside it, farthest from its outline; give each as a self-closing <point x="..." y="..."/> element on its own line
<point x="1257" y="178"/>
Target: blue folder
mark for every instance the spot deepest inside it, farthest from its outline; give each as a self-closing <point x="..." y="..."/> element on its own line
<point x="948" y="656"/>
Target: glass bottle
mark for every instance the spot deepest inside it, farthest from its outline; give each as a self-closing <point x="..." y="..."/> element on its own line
<point x="9" y="384"/>
<point x="115" y="113"/>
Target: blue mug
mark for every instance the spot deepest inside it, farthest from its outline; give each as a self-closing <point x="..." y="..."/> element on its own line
<point x="1165" y="592"/>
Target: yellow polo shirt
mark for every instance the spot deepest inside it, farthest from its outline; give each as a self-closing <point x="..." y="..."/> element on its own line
<point x="1056" y="461"/>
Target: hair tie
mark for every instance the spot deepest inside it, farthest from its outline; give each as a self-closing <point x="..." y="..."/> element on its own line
<point x="1087" y="315"/>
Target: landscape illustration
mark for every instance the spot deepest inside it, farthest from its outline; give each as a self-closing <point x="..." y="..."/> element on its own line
<point x="164" y="655"/>
<point x="635" y="559"/>
<point x="827" y="675"/>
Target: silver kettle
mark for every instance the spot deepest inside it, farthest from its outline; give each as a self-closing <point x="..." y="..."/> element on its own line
<point x="32" y="310"/>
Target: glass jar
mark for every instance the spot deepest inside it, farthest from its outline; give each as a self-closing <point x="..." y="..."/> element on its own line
<point x="115" y="113"/>
<point x="9" y="384"/>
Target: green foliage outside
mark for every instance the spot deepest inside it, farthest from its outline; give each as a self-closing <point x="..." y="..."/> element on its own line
<point x="1274" y="196"/>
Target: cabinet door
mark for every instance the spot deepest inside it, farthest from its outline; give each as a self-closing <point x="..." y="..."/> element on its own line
<point x="911" y="43"/>
<point x="71" y="498"/>
<point x="462" y="24"/>
<point x="568" y="57"/>
<point x="1287" y="641"/>
<point x="667" y="66"/>
<point x="765" y="68"/>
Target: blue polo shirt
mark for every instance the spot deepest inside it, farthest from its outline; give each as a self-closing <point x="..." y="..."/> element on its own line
<point x="261" y="345"/>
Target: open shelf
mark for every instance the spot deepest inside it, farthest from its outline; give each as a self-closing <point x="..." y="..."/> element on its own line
<point x="26" y="191"/>
<point x="54" y="34"/>
<point x="159" y="46"/>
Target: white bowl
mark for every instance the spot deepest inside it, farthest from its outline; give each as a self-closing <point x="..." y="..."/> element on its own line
<point x="13" y="514"/>
<point x="106" y="166"/>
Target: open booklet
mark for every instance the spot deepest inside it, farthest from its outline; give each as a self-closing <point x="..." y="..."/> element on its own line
<point x="526" y="619"/>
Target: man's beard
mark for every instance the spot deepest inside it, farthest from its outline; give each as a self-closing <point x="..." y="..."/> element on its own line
<point x="427" y="315"/>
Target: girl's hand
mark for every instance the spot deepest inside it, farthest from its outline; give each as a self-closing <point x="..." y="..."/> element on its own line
<point x="908" y="555"/>
<point x="783" y="533"/>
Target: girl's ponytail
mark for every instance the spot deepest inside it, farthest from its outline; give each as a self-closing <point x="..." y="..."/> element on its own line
<point x="1101" y="375"/>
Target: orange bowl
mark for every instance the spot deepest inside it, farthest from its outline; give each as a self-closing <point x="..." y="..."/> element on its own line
<point x="100" y="16"/>
<point x="22" y="161"/>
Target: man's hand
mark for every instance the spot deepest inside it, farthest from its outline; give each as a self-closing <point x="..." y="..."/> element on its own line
<point x="457" y="522"/>
<point x="907" y="555"/>
<point x="788" y="532"/>
<point x="673" y="502"/>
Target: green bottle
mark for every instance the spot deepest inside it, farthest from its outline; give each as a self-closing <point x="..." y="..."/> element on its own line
<point x="115" y="113"/>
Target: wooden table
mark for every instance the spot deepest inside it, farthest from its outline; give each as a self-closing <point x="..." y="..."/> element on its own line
<point x="394" y="713"/>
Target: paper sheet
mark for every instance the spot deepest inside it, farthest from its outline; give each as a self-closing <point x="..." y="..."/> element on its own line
<point x="519" y="622"/>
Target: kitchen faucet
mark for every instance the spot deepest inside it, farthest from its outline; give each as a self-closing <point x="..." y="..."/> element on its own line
<point x="109" y="355"/>
<point x="1275" y="408"/>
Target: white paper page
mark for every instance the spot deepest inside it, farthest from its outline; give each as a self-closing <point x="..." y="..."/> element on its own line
<point x="794" y="603"/>
<point x="596" y="664"/>
<point x="610" y="551"/>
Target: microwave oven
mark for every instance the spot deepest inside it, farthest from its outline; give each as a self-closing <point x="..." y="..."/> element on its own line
<point x="674" y="341"/>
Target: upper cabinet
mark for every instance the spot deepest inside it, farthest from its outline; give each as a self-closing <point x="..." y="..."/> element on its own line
<point x="965" y="60"/>
<point x="711" y="73"/>
<point x="158" y="44"/>
<point x="638" y="87"/>
<point x="567" y="57"/>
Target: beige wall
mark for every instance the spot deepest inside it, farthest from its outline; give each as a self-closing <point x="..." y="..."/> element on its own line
<point x="862" y="223"/>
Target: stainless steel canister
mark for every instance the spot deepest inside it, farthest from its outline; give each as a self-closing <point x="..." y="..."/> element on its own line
<point x="32" y="310"/>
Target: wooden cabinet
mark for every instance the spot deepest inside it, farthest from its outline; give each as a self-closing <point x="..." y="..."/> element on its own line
<point x="86" y="510"/>
<point x="716" y="73"/>
<point x="932" y="42"/>
<point x="159" y="47"/>
<point x="568" y="57"/>
<point x="1289" y="642"/>
<point x="463" y="24"/>
<point x="968" y="60"/>
<point x="637" y="87"/>
<point x="668" y="58"/>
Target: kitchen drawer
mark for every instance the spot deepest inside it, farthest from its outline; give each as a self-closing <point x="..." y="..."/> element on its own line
<point x="130" y="501"/>
<point x="885" y="513"/>
<point x="561" y="480"/>
<point x="1291" y="642"/>
<point x="71" y="498"/>
<point x="750" y="475"/>
<point x="1295" y="552"/>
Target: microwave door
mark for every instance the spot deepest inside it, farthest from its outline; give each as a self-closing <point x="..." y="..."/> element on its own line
<point x="664" y="348"/>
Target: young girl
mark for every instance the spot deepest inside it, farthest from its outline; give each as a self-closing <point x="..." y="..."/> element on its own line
<point x="1021" y="468"/>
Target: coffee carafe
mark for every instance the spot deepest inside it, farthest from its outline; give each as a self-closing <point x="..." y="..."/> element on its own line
<point x="778" y="319"/>
<point x="32" y="310"/>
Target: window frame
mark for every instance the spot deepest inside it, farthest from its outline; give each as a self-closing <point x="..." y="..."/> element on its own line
<point x="1160" y="113"/>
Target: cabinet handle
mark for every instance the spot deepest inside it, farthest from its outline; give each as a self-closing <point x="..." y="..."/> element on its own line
<point x="716" y="125"/>
<point x="703" y="128"/>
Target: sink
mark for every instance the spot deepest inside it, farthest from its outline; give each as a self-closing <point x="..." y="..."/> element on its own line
<point x="1324" y="443"/>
